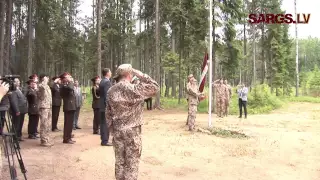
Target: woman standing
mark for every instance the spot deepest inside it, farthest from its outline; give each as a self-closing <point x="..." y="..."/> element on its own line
<point x="95" y="104"/>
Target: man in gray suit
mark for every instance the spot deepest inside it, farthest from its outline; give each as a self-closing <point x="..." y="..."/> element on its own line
<point x="104" y="86"/>
<point x="78" y="94"/>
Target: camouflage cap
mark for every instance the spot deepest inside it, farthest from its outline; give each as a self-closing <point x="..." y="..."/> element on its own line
<point x="123" y="69"/>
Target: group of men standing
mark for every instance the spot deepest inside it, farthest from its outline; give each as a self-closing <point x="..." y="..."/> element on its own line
<point x="223" y="99"/>
<point x="42" y="103"/>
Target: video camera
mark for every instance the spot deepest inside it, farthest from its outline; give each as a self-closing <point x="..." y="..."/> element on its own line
<point x="10" y="79"/>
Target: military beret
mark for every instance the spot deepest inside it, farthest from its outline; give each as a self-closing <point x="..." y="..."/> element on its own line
<point x="30" y="81"/>
<point x="43" y="75"/>
<point x="190" y="76"/>
<point x="95" y="78"/>
<point x="54" y="78"/>
<point x="123" y="69"/>
<point x="33" y="76"/>
<point x="63" y="75"/>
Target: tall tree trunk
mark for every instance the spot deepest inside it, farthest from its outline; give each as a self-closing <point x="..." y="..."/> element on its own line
<point x="8" y="36"/>
<point x="30" y="33"/>
<point x="157" y="75"/>
<point x="2" y="28"/>
<point x="98" y="37"/>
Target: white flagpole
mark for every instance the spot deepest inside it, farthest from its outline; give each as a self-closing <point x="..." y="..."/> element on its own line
<point x="210" y="64"/>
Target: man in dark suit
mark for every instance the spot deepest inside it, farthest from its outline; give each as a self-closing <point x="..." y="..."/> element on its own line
<point x="33" y="110"/>
<point x="69" y="106"/>
<point x="18" y="108"/>
<point x="56" y="102"/>
<point x="104" y="86"/>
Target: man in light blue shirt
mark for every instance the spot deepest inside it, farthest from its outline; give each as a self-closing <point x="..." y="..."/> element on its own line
<point x="242" y="92"/>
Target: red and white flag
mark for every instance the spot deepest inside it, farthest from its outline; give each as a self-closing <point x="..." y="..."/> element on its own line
<point x="204" y="70"/>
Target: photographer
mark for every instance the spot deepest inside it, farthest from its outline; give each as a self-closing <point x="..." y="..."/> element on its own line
<point x="4" y="107"/>
<point x="4" y="88"/>
<point x="18" y="108"/>
<point x="243" y="98"/>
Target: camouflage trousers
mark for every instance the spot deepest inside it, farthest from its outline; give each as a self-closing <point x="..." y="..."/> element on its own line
<point x="192" y="111"/>
<point x="220" y="104"/>
<point x="226" y="107"/>
<point x="127" y="146"/>
<point x="45" y="125"/>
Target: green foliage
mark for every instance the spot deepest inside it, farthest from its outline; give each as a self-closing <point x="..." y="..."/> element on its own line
<point x="302" y="99"/>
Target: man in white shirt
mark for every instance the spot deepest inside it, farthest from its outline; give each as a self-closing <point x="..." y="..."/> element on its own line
<point x="243" y="98"/>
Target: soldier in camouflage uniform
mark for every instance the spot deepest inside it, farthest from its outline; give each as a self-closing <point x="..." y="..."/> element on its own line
<point x="124" y="117"/>
<point x="187" y="97"/>
<point x="222" y="94"/>
<point x="193" y="101"/>
<point x="45" y="103"/>
<point x="228" y="100"/>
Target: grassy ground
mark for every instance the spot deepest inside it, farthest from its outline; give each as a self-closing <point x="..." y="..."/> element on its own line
<point x="260" y="101"/>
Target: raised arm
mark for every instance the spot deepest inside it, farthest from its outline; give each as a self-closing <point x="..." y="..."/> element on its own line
<point x="41" y="92"/>
<point x="147" y="87"/>
<point x="95" y="92"/>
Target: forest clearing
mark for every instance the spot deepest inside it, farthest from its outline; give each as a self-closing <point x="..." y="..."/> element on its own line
<point x="281" y="145"/>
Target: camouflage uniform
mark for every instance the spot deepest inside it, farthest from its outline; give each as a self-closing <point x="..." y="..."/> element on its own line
<point x="228" y="99"/>
<point x="124" y="116"/>
<point x="187" y="96"/>
<point x="193" y="101"/>
<point x="45" y="112"/>
<point x="222" y="94"/>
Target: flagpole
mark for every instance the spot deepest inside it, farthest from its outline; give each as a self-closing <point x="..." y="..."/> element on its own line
<point x="210" y="65"/>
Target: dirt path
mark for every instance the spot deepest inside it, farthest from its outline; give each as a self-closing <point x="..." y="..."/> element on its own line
<point x="284" y="145"/>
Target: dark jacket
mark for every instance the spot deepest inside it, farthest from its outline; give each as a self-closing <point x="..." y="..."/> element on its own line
<point x="18" y="102"/>
<point x="56" y="97"/>
<point x="32" y="98"/>
<point x="68" y="96"/>
<point x="104" y="86"/>
<point x="4" y="103"/>
<point x="95" y="97"/>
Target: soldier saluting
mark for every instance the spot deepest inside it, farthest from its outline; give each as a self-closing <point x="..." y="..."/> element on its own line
<point x="45" y="103"/>
<point x="124" y="115"/>
<point x="69" y="106"/>
<point x="33" y="109"/>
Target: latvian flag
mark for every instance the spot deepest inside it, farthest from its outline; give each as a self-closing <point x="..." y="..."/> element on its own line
<point x="204" y="70"/>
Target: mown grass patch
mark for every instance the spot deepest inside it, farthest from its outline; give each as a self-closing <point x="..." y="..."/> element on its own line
<point x="227" y="133"/>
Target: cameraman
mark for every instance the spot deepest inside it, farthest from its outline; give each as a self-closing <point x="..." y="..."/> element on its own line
<point x="4" y="106"/>
<point x="4" y="88"/>
<point x="18" y="108"/>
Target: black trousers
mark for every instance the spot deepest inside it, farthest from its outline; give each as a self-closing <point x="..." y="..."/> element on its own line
<point x="96" y="120"/>
<point x="104" y="131"/>
<point x="17" y="123"/>
<point x="149" y="103"/>
<point x="68" y="125"/>
<point x="2" y="120"/>
<point x="33" y="123"/>
<point x="244" y="105"/>
<point x="55" y="116"/>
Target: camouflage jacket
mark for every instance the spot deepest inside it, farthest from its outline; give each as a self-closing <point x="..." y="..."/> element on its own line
<point x="44" y="96"/>
<point x="221" y="91"/>
<point x="229" y="88"/>
<point x="124" y="101"/>
<point x="193" y="93"/>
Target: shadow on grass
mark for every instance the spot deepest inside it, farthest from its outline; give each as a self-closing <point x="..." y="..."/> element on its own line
<point x="226" y="133"/>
